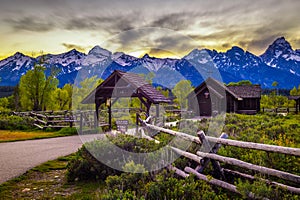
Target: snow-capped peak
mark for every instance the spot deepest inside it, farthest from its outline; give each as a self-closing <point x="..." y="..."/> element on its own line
<point x="97" y="50"/>
<point x="280" y="46"/>
<point x="196" y="53"/>
<point x="117" y="55"/>
<point x="282" y="43"/>
<point x="17" y="58"/>
<point x="18" y="55"/>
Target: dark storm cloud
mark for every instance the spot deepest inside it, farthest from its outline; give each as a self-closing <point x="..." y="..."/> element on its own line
<point x="73" y="46"/>
<point x="262" y="43"/>
<point x="174" y="21"/>
<point x="111" y="24"/>
<point x="30" y="24"/>
<point x="216" y="36"/>
<point x="226" y="45"/>
<point x="218" y="24"/>
<point x="132" y="37"/>
<point x="174" y="42"/>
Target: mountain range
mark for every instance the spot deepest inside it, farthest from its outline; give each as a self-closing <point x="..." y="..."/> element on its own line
<point x="280" y="63"/>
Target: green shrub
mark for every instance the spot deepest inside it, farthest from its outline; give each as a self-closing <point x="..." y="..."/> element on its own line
<point x="12" y="122"/>
<point x="68" y="131"/>
<point x="119" y="194"/>
<point x="87" y="162"/>
<point x="85" y="167"/>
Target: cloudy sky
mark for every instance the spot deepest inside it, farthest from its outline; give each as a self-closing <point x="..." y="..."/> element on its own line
<point x="162" y="28"/>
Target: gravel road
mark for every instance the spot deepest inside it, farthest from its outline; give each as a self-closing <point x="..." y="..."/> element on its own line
<point x="18" y="157"/>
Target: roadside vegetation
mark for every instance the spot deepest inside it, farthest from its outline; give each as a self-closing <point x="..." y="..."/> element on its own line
<point x="15" y="135"/>
<point x="84" y="177"/>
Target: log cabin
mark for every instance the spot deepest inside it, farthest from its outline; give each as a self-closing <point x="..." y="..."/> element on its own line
<point x="213" y="97"/>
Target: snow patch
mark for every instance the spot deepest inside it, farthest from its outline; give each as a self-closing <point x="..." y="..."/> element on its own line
<point x="294" y="57"/>
<point x="203" y="61"/>
<point x="278" y="53"/>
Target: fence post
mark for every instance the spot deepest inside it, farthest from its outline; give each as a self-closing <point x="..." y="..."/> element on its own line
<point x="208" y="149"/>
<point x="96" y="122"/>
<point x="137" y="123"/>
<point x="81" y="123"/>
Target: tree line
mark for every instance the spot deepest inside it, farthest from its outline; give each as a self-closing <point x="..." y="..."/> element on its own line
<point x="39" y="92"/>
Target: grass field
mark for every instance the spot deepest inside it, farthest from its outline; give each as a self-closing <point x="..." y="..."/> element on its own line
<point x="15" y="135"/>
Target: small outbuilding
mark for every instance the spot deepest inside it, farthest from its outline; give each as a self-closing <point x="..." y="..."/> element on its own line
<point x="122" y="85"/>
<point x="212" y="97"/>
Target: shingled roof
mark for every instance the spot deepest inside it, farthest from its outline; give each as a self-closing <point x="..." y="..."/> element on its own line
<point x="241" y="91"/>
<point x="125" y="84"/>
<point x="214" y="86"/>
<point x="246" y="91"/>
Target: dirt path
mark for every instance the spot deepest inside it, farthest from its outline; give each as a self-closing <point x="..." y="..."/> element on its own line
<point x="17" y="157"/>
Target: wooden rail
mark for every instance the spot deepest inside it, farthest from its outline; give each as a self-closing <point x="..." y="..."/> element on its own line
<point x="61" y="119"/>
<point x="210" y="155"/>
<point x="247" y="145"/>
<point x="280" y="110"/>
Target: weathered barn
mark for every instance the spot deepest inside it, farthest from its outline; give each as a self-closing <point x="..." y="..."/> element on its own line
<point x="121" y="85"/>
<point x="212" y="97"/>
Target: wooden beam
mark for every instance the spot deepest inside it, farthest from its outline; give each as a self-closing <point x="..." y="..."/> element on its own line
<point x="187" y="154"/>
<point x="109" y="115"/>
<point x="212" y="181"/>
<point x="247" y="145"/>
<point x="261" y="169"/>
<point x="96" y="117"/>
<point x="175" y="133"/>
<point x="177" y="171"/>
<point x="114" y="101"/>
<point x="217" y="182"/>
<point x="207" y="148"/>
<point x="285" y="187"/>
<point x="257" y="146"/>
<point x="81" y="123"/>
<point x="143" y="101"/>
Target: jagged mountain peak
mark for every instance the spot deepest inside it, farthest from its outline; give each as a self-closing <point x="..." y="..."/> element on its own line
<point x="18" y="55"/>
<point x="281" y="63"/>
<point x="73" y="51"/>
<point x="197" y="53"/>
<point x="278" y="48"/>
<point x="237" y="49"/>
<point x="146" y="56"/>
<point x="281" y="41"/>
<point x="118" y="54"/>
<point x="99" y="50"/>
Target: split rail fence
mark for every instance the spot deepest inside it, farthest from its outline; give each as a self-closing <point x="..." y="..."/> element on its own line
<point x="65" y="118"/>
<point x="209" y="155"/>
